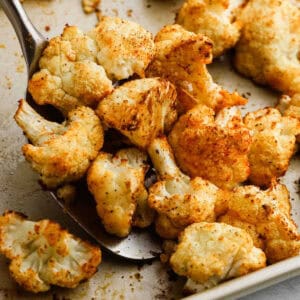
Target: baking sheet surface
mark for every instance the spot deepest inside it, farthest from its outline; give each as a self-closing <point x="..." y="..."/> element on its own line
<point x="19" y="189"/>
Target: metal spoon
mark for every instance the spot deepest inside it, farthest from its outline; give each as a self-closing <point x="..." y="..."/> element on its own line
<point x="139" y="245"/>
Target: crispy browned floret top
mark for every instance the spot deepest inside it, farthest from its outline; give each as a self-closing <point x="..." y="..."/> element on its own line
<point x="268" y="50"/>
<point x="265" y="214"/>
<point x="214" y="148"/>
<point x="181" y="57"/>
<point x="274" y="139"/>
<point x="217" y="19"/>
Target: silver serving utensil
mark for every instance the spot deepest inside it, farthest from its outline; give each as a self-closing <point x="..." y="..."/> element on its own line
<point x="139" y="245"/>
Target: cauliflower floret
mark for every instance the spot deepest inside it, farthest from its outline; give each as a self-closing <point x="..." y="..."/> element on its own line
<point x="61" y="153"/>
<point x="140" y="109"/>
<point x="214" y="148"/>
<point x="273" y="144"/>
<point x="43" y="254"/>
<point x="268" y="50"/>
<point x="290" y="107"/>
<point x="69" y="75"/>
<point x="265" y="214"/>
<point x="208" y="253"/>
<point x="89" y="6"/>
<point x="179" y="200"/>
<point x="117" y="183"/>
<point x="217" y="19"/>
<point x="181" y="57"/>
<point x="125" y="47"/>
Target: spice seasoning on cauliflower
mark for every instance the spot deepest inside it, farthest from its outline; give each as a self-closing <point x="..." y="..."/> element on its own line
<point x="290" y="107"/>
<point x="69" y="75"/>
<point x="179" y="200"/>
<point x="208" y="253"/>
<point x="274" y="139"/>
<point x="117" y="184"/>
<point x="60" y="153"/>
<point x="266" y="216"/>
<point x="124" y="48"/>
<point x="268" y="50"/>
<point x="140" y="109"/>
<point x="217" y="19"/>
<point x="213" y="147"/>
<point x="43" y="254"/>
<point x="181" y="58"/>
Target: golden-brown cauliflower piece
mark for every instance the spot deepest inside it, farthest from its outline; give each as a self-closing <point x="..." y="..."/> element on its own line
<point x="60" y="153"/>
<point x="124" y="47"/>
<point x="43" y="254"/>
<point x="140" y="109"/>
<point x="209" y="253"/>
<point x="181" y="58"/>
<point x="274" y="139"/>
<point x="214" y="148"/>
<point x="69" y="75"/>
<point x="117" y="184"/>
<point x="89" y="6"/>
<point x="179" y="200"/>
<point x="290" y="107"/>
<point x="265" y="215"/>
<point x="217" y="19"/>
<point x="268" y="50"/>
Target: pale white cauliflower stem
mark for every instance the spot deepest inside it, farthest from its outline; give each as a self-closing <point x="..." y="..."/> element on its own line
<point x="42" y="254"/>
<point x="179" y="200"/>
<point x="274" y="139"/>
<point x="268" y="50"/>
<point x="208" y="253"/>
<point x="60" y="153"/>
<point x="140" y="109"/>
<point x="217" y="19"/>
<point x="124" y="47"/>
<point x="266" y="216"/>
<point x="181" y="58"/>
<point x="117" y="184"/>
<point x="290" y="107"/>
<point x="75" y="66"/>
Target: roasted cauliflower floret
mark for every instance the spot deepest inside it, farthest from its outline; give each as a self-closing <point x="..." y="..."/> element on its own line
<point x="209" y="253"/>
<point x="43" y="254"/>
<point x="181" y="58"/>
<point x="140" y="109"/>
<point x="125" y="47"/>
<point x="60" y="153"/>
<point x="290" y="107"/>
<point x="217" y="19"/>
<point x="117" y="184"/>
<point x="214" y="148"/>
<point x="69" y="75"/>
<point x="265" y="214"/>
<point x="273" y="145"/>
<point x="179" y="200"/>
<point x="268" y="50"/>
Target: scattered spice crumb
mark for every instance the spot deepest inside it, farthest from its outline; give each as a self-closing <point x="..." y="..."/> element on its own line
<point x="115" y="11"/>
<point x="99" y="14"/>
<point x="90" y="6"/>
<point x="47" y="28"/>
<point x="2" y="46"/>
<point x="20" y="68"/>
<point x="8" y="82"/>
<point x="129" y="12"/>
<point x="148" y="5"/>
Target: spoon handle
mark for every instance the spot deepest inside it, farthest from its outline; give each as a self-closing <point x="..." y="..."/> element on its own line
<point x="31" y="40"/>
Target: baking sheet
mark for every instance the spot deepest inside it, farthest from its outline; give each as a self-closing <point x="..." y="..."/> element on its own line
<point x="20" y="191"/>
